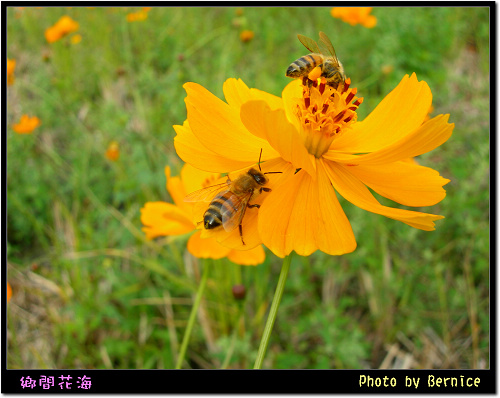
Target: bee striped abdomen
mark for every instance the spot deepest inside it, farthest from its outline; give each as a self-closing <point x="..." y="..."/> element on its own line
<point x="212" y="217"/>
<point x="303" y="65"/>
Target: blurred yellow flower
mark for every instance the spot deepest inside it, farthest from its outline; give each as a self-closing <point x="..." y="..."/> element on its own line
<point x="355" y="15"/>
<point x="246" y="35"/>
<point x="312" y="136"/>
<point x="11" y="65"/>
<point x="137" y="16"/>
<point x="63" y="27"/>
<point x="386" y="69"/>
<point x="113" y="151"/>
<point x="75" y="39"/>
<point x="164" y="219"/>
<point x="26" y="125"/>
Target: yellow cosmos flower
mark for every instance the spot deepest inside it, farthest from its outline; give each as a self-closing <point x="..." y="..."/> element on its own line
<point x="164" y="219"/>
<point x="11" y="65"/>
<point x="63" y="27"/>
<point x="312" y="136"/>
<point x="355" y="15"/>
<point x="26" y="125"/>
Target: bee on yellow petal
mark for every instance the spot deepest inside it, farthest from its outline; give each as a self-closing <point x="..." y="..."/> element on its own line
<point x="230" y="200"/>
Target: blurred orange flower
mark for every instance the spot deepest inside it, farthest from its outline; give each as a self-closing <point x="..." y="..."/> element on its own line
<point x="165" y="219"/>
<point x="11" y="65"/>
<point x="63" y="27"/>
<point x="113" y="151"/>
<point x="246" y="35"/>
<point x="26" y="125"/>
<point x="9" y="292"/>
<point x="355" y="15"/>
<point x="138" y="15"/>
<point x="75" y="39"/>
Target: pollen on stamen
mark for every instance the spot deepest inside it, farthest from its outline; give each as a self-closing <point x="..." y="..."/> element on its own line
<point x="307" y="101"/>
<point x="339" y="116"/>
<point x="322" y="86"/>
<point x="346" y="85"/>
<point x="351" y="95"/>
<point x="325" y="107"/>
<point x="358" y="102"/>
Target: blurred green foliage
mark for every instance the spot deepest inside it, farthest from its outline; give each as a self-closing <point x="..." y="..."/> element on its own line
<point x="91" y="292"/>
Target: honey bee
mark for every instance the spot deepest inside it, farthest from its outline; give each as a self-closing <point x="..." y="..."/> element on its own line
<point x="227" y="208"/>
<point x="323" y="56"/>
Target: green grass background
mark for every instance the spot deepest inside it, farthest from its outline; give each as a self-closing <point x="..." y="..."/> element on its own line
<point x="91" y="292"/>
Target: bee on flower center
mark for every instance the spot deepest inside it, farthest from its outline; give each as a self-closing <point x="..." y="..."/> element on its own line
<point x="227" y="208"/>
<point x="322" y="56"/>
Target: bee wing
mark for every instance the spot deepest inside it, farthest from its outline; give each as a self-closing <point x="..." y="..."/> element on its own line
<point x="309" y="43"/>
<point x="326" y="45"/>
<point x="232" y="215"/>
<point x="206" y="194"/>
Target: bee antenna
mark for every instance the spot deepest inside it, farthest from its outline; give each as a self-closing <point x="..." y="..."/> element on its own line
<point x="260" y="156"/>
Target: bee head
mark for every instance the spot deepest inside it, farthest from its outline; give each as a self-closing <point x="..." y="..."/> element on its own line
<point x="258" y="176"/>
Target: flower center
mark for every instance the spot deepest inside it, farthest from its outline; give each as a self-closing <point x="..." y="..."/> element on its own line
<point x="325" y="112"/>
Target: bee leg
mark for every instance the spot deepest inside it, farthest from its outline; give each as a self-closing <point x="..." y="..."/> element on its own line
<point x="255" y="205"/>
<point x="241" y="234"/>
<point x="265" y="189"/>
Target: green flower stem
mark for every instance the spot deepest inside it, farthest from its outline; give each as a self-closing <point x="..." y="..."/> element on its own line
<point x="273" y="312"/>
<point x="192" y="316"/>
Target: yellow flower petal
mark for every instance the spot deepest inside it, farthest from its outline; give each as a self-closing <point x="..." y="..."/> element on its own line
<point x="175" y="188"/>
<point x="403" y="182"/>
<point x="304" y="215"/>
<point x="237" y="93"/>
<point x="402" y="111"/>
<point x="291" y="92"/>
<point x="206" y="248"/>
<point x="194" y="179"/>
<point x="192" y="151"/>
<point x="358" y="194"/>
<point x="254" y="256"/>
<point x="218" y="126"/>
<point x="281" y="134"/>
<point x="428" y="136"/>
<point x="163" y="219"/>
